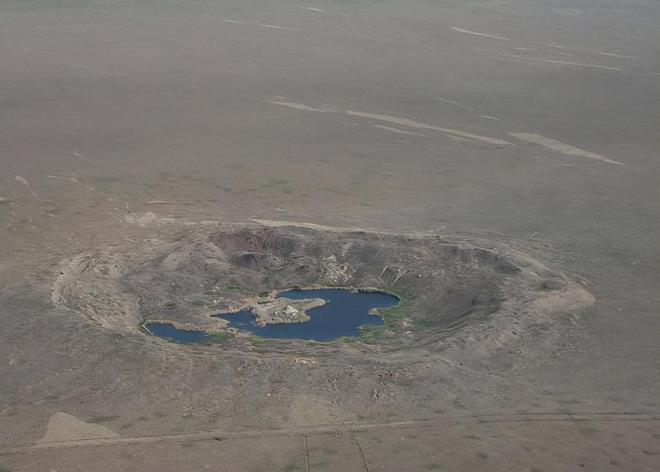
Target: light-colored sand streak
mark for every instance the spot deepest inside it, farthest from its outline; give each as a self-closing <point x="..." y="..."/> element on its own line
<point x="590" y="51"/>
<point x="301" y="106"/>
<point x="23" y="180"/>
<point x="419" y="125"/>
<point x="452" y="102"/>
<point x="262" y="25"/>
<point x="564" y="63"/>
<point x="476" y="33"/>
<point x="407" y="122"/>
<point x="609" y="54"/>
<point x="563" y="148"/>
<point x="317" y="10"/>
<point x="397" y="130"/>
<point x="276" y="27"/>
<point x="544" y="141"/>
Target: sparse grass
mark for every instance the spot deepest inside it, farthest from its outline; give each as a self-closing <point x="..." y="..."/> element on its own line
<point x="423" y="324"/>
<point x="180" y="429"/>
<point x="370" y="334"/>
<point x="291" y="467"/>
<point x="392" y="316"/>
<point x="101" y="419"/>
<point x="433" y="466"/>
<point x="221" y="336"/>
<point x="275" y="182"/>
<point x="258" y="340"/>
<point x="233" y="288"/>
<point x="587" y="430"/>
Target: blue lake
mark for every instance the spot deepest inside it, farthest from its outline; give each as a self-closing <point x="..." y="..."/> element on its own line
<point x="342" y="315"/>
<point x="178" y="335"/>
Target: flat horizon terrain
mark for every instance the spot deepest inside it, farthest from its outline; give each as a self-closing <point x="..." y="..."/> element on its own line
<point x="526" y="130"/>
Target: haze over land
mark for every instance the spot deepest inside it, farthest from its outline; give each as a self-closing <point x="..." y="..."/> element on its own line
<point x="515" y="140"/>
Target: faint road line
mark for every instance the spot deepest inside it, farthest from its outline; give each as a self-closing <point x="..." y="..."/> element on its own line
<point x="307" y="469"/>
<point x="345" y="427"/>
<point x="365" y="467"/>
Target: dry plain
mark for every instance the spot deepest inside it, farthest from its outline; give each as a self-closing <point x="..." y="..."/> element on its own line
<point x="494" y="161"/>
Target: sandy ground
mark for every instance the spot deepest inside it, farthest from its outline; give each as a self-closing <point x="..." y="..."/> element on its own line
<point x="533" y="123"/>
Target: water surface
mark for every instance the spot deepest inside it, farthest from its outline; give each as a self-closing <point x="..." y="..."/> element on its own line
<point x="174" y="334"/>
<point x="342" y="315"/>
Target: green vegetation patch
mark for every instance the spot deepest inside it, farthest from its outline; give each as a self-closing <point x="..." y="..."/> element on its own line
<point x="258" y="340"/>
<point x="233" y="288"/>
<point x="221" y="336"/>
<point x="393" y="316"/>
<point x="101" y="419"/>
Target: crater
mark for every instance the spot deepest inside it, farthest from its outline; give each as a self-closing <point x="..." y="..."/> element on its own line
<point x="226" y="283"/>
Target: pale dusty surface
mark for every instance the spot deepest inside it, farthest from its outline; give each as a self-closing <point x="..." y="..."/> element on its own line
<point x="64" y="427"/>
